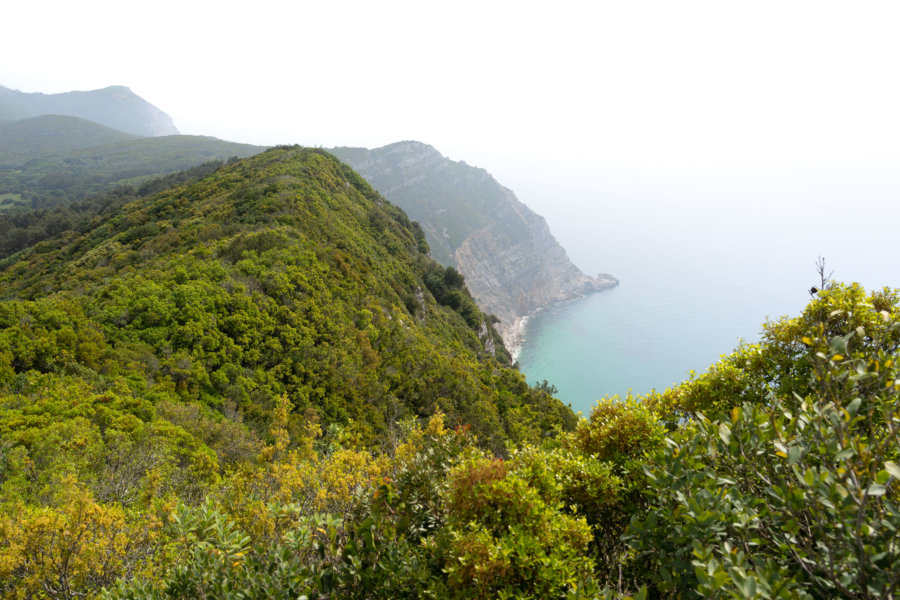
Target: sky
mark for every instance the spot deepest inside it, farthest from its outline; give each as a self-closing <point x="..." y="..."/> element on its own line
<point x="549" y="98"/>
<point x="671" y="86"/>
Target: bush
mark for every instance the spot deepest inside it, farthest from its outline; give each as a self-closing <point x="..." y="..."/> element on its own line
<point x="794" y="496"/>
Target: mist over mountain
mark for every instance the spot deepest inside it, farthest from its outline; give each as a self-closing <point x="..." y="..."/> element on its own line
<point x="512" y="263"/>
<point x="115" y="106"/>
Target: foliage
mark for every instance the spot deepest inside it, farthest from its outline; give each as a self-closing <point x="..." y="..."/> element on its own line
<point x="72" y="548"/>
<point x="794" y="496"/>
<point x="257" y="385"/>
<point x="76" y="214"/>
<point x="287" y="275"/>
<point x="242" y="343"/>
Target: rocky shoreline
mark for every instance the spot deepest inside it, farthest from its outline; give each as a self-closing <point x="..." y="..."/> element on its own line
<point x="514" y="339"/>
<point x="514" y="335"/>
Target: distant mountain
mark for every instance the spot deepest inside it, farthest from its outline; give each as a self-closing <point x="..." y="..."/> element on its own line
<point x="45" y="135"/>
<point x="115" y="106"/>
<point x="511" y="262"/>
<point x="54" y="160"/>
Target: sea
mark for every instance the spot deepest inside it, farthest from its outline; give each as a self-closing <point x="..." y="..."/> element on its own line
<point x="703" y="263"/>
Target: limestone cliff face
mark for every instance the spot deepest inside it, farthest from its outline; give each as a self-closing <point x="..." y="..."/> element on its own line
<point x="513" y="276"/>
<point x="512" y="263"/>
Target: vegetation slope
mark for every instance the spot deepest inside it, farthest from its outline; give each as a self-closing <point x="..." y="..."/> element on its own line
<point x="256" y="385"/>
<point x="52" y="161"/>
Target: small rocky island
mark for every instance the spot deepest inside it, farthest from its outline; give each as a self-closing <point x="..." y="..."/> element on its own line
<point x="512" y="263"/>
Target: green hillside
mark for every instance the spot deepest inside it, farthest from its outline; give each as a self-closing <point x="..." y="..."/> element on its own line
<point x="55" y="161"/>
<point x="452" y="199"/>
<point x="281" y="274"/>
<point x="52" y="135"/>
<point x="256" y="384"/>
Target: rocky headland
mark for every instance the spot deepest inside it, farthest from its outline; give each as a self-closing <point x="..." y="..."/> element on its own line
<point x="512" y="264"/>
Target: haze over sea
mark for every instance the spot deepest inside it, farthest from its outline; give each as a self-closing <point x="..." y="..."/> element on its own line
<point x="703" y="262"/>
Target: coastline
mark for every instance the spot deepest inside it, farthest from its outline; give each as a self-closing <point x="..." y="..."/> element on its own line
<point x="514" y="337"/>
<point x="517" y="337"/>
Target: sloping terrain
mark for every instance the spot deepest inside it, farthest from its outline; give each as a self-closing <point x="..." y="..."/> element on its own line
<point x="280" y="274"/>
<point x="52" y="135"/>
<point x="512" y="263"/>
<point x="55" y="160"/>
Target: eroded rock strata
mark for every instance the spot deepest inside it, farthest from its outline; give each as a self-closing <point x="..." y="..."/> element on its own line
<point x="512" y="263"/>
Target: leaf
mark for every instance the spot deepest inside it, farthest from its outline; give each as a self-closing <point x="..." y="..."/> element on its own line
<point x="809" y="477"/>
<point x="837" y="357"/>
<point x="844" y="454"/>
<point x="724" y="433"/>
<point x="875" y="489"/>
<point x="892" y="468"/>
<point x="807" y="340"/>
<point x="838" y="343"/>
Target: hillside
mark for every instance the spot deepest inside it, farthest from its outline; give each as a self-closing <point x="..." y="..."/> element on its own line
<point x="55" y="160"/>
<point x="255" y="384"/>
<point x="47" y="135"/>
<point x="115" y="106"/>
<point x="512" y="263"/>
<point x="284" y="273"/>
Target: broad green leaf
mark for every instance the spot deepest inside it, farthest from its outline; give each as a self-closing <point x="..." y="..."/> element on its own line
<point x="844" y="454"/>
<point x="875" y="490"/>
<point x="724" y="433"/>
<point x="838" y="344"/>
<point x="892" y="468"/>
<point x="809" y="477"/>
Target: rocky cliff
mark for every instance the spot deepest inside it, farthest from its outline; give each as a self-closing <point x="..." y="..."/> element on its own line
<point x="512" y="263"/>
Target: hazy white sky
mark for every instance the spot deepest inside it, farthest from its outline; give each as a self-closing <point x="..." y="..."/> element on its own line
<point x="511" y="86"/>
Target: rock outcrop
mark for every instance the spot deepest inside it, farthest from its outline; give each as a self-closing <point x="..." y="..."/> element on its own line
<point x="511" y="262"/>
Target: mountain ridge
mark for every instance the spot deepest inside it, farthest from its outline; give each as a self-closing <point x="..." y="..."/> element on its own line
<point x="282" y="273"/>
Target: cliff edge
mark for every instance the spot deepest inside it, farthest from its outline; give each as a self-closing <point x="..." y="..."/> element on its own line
<point x="512" y="264"/>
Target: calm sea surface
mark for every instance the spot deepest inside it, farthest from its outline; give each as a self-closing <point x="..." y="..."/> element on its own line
<point x="701" y="267"/>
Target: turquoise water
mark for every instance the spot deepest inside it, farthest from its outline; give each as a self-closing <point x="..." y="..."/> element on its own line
<point x="701" y="268"/>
